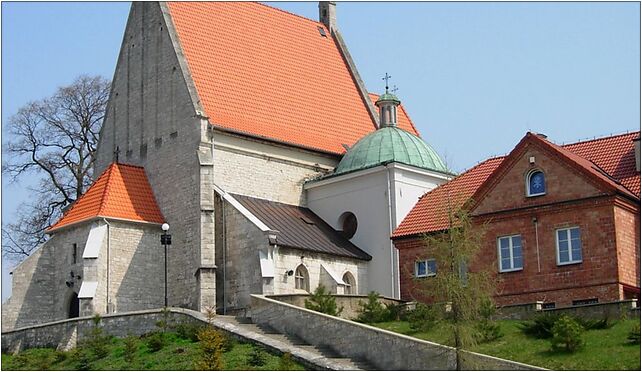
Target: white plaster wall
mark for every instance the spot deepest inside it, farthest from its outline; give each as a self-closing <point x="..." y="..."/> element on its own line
<point x="365" y="193"/>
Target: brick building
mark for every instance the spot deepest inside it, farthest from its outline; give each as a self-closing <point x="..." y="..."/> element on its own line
<point x="562" y="222"/>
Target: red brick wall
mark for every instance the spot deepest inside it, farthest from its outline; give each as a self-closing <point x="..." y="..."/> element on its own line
<point x="410" y="250"/>
<point x="562" y="183"/>
<point x="627" y="230"/>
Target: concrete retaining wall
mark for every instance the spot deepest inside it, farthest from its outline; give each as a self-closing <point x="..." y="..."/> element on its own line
<point x="383" y="349"/>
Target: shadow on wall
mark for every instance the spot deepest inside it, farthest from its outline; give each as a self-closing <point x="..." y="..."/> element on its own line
<point x="137" y="278"/>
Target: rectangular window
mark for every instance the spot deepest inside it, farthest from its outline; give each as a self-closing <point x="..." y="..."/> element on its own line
<point x="569" y="246"/>
<point x="509" y="250"/>
<point x="588" y="301"/>
<point x="425" y="268"/>
<point x="548" y="305"/>
<point x="74" y="253"/>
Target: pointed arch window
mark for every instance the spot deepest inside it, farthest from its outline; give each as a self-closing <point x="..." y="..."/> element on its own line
<point x="535" y="183"/>
<point x="350" y="286"/>
<point x="302" y="278"/>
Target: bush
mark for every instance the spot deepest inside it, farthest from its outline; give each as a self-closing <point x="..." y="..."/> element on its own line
<point x="97" y="343"/>
<point x="131" y="346"/>
<point x="487" y="329"/>
<point x="286" y="363"/>
<point x="604" y="323"/>
<point x="634" y="335"/>
<point x="323" y="301"/>
<point x="372" y="311"/>
<point x="423" y="318"/>
<point x="567" y="334"/>
<point x="257" y="357"/>
<point x="188" y="331"/>
<point x="211" y="345"/>
<point x="540" y="327"/>
<point x="82" y="359"/>
<point x="394" y="311"/>
<point x="155" y="341"/>
<point x="228" y="343"/>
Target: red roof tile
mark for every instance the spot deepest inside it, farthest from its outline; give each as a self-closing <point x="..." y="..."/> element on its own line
<point x="614" y="155"/>
<point x="121" y="192"/>
<point x="268" y="73"/>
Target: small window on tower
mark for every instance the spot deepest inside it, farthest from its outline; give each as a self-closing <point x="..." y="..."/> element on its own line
<point x="74" y="253"/>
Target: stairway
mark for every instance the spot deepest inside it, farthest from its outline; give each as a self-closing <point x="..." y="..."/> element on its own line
<point x="319" y="353"/>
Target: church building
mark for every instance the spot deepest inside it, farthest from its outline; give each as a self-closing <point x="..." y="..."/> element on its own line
<point x="248" y="134"/>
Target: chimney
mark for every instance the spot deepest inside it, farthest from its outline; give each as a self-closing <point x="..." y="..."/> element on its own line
<point x="636" y="143"/>
<point x="328" y="14"/>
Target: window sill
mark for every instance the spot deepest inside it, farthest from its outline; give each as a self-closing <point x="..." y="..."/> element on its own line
<point x="511" y="270"/>
<point x="533" y="195"/>
<point x="569" y="263"/>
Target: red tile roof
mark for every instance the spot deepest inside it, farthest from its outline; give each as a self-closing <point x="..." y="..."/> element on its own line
<point x="268" y="73"/>
<point x="121" y="192"/>
<point x="614" y="155"/>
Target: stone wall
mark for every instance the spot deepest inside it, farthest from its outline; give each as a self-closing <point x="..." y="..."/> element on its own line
<point x="383" y="349"/>
<point x="350" y="303"/>
<point x="153" y="119"/>
<point x="612" y="310"/>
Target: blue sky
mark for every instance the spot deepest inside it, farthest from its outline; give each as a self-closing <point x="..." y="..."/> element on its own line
<point x="474" y="77"/>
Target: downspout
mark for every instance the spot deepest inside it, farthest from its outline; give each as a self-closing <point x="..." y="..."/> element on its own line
<point x="224" y="254"/>
<point x="108" y="251"/>
<point x="539" y="269"/>
<point x="392" y="252"/>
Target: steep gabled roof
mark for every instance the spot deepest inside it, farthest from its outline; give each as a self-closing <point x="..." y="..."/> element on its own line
<point x="298" y="227"/>
<point x="271" y="74"/>
<point x="610" y="161"/>
<point x="122" y="192"/>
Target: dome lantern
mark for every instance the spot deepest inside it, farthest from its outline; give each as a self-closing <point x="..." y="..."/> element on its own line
<point x="387" y="105"/>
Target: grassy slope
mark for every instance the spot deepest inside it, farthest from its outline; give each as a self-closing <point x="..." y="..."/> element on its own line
<point x="178" y="354"/>
<point x="604" y="349"/>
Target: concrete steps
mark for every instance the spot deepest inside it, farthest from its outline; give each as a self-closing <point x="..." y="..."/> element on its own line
<point x="317" y="352"/>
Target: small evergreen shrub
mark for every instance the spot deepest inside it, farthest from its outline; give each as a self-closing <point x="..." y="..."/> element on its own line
<point x="487" y="329"/>
<point x="228" y="343"/>
<point x="423" y="318"/>
<point x="211" y="350"/>
<point x="634" y="335"/>
<point x="323" y="301"/>
<point x="155" y="341"/>
<point x="372" y="311"/>
<point x="257" y="357"/>
<point x="605" y="323"/>
<point x="131" y="346"/>
<point x="97" y="343"/>
<point x="286" y="363"/>
<point x="394" y="311"/>
<point x="540" y="327"/>
<point x="188" y="331"/>
<point x="567" y="334"/>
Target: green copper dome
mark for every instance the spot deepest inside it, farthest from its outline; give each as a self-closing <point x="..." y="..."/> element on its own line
<point x="390" y="144"/>
<point x="388" y="97"/>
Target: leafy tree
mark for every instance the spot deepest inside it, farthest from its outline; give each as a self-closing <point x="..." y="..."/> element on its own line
<point x="54" y="140"/>
<point x="466" y="293"/>
<point x="323" y="301"/>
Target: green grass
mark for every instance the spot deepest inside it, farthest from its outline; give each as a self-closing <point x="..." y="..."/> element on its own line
<point x="604" y="349"/>
<point x="178" y="354"/>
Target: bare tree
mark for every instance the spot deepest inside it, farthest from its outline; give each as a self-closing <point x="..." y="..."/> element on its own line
<point x="55" y="140"/>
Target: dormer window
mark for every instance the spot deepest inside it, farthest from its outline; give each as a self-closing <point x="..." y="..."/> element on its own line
<point x="535" y="183"/>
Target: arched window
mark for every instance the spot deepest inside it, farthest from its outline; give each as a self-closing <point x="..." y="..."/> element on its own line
<point x="350" y="284"/>
<point x="301" y="278"/>
<point x="348" y="222"/>
<point x="535" y="183"/>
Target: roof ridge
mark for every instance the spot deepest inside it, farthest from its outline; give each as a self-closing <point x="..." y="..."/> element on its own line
<point x="599" y="138"/>
<point x="290" y="13"/>
<point x="105" y="195"/>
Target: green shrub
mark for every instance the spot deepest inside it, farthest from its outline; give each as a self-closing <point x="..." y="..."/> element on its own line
<point x="423" y="318"/>
<point x="394" y="311"/>
<point x="98" y="341"/>
<point x="323" y="301"/>
<point x="82" y="359"/>
<point x="188" y="331"/>
<point x="372" y="311"/>
<point x="257" y="357"/>
<point x="164" y="323"/>
<point x="59" y="356"/>
<point x="567" y="334"/>
<point x="155" y="341"/>
<point x="488" y="330"/>
<point x="634" y="335"/>
<point x="211" y="350"/>
<point x="131" y="346"/>
<point x="604" y="323"/>
<point x="228" y="343"/>
<point x="540" y="327"/>
<point x="286" y="363"/>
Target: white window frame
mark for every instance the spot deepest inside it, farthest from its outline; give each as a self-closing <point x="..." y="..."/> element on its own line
<point x="570" y="247"/>
<point x="528" y="183"/>
<point x="428" y="273"/>
<point x="510" y="250"/>
<point x="302" y="282"/>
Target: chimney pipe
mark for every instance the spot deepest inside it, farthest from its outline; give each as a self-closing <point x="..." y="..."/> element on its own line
<point x="636" y="143"/>
<point x="328" y="14"/>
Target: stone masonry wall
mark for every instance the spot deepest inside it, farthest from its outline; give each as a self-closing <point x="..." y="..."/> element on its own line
<point x="153" y="118"/>
<point x="351" y="303"/>
<point x="383" y="349"/>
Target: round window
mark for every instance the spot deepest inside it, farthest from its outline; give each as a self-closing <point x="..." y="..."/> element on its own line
<point x="348" y="224"/>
